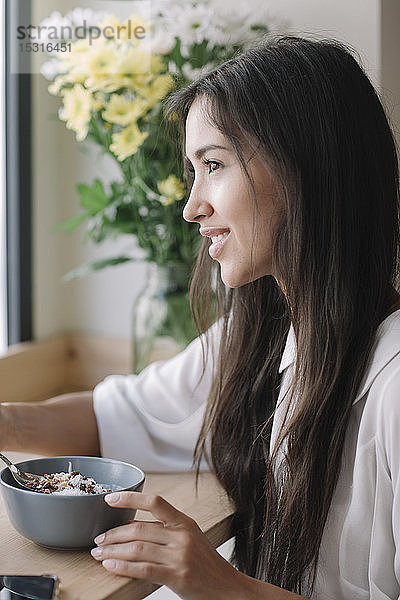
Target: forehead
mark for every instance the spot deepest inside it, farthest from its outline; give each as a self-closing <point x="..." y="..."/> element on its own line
<point x="199" y="130"/>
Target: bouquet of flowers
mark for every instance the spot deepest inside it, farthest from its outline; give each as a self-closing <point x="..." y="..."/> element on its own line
<point x="112" y="83"/>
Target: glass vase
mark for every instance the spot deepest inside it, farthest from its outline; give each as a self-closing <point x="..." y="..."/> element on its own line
<point x="162" y="321"/>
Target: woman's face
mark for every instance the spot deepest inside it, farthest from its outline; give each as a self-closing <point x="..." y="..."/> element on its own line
<point x="221" y="202"/>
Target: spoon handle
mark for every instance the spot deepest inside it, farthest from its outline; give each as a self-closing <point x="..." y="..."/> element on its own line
<point x="9" y="464"/>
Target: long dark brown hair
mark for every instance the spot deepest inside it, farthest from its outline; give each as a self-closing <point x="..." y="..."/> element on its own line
<point x="307" y="108"/>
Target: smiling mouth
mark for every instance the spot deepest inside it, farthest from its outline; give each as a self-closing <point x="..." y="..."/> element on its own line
<point x="219" y="237"/>
<point x="218" y="242"/>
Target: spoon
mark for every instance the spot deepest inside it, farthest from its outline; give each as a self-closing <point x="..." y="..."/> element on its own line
<point x="25" y="479"/>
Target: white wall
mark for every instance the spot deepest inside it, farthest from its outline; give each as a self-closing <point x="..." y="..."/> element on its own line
<point x="356" y="22"/>
<point x="103" y="302"/>
<point x="390" y="56"/>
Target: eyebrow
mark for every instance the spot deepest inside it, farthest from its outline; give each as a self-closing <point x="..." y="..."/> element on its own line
<point x="203" y="149"/>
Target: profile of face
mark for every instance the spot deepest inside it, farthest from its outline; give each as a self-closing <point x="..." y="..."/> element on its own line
<point x="221" y="201"/>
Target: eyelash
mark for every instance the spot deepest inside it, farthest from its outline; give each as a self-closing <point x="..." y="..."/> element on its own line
<point x="207" y="162"/>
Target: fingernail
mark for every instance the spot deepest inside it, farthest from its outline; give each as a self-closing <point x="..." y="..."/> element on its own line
<point x="109" y="563"/>
<point x="99" y="539"/>
<point x="96" y="552"/>
<point x="113" y="498"/>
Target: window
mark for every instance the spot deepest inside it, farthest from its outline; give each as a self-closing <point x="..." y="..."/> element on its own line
<point x="18" y="176"/>
<point x="3" y="295"/>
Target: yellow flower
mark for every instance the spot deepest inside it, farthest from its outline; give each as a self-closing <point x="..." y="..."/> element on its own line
<point x="79" y="47"/>
<point x="133" y="61"/>
<point x="135" y="29"/>
<point x="109" y="21"/>
<point x="75" y="57"/>
<point x="104" y="84"/>
<point x="66" y="80"/>
<point x="173" y="116"/>
<point x="102" y="60"/>
<point x="139" y="82"/>
<point x="171" y="190"/>
<point x="73" y="63"/>
<point x="98" y="101"/>
<point x="122" y="111"/>
<point x="76" y="110"/>
<point x="156" y="64"/>
<point x="55" y="87"/>
<point x="126" y="142"/>
<point x="114" y="66"/>
<point x="100" y="67"/>
<point x="159" y="88"/>
<point x="112" y="28"/>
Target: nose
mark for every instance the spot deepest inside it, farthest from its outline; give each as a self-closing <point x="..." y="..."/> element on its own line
<point x="196" y="208"/>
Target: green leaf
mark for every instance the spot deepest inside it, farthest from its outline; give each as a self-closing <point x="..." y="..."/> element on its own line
<point x="259" y="27"/>
<point x="93" y="198"/>
<point x="97" y="265"/>
<point x="71" y="224"/>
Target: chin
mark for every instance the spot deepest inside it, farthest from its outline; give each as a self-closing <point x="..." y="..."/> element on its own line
<point x="236" y="280"/>
<point x="233" y="280"/>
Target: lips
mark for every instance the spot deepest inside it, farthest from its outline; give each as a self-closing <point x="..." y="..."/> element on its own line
<point x="216" y="247"/>
<point x="213" y="231"/>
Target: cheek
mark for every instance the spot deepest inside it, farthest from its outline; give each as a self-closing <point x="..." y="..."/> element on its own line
<point x="231" y="196"/>
<point x="243" y="216"/>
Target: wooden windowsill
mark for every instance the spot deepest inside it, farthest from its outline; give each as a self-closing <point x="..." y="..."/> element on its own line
<point x="34" y="371"/>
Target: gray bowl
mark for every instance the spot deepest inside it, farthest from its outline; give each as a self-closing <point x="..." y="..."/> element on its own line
<point x="67" y="522"/>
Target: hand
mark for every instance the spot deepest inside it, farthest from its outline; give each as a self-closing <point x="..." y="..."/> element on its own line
<point x="172" y="551"/>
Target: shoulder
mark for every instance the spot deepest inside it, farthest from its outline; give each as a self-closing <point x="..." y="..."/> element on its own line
<point x="381" y="378"/>
<point x="382" y="412"/>
<point x="386" y="388"/>
<point x="379" y="396"/>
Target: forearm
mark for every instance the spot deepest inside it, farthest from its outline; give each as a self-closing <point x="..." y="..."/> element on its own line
<point x="253" y="589"/>
<point x="62" y="425"/>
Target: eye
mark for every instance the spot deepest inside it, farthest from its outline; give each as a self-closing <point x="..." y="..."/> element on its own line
<point x="212" y="165"/>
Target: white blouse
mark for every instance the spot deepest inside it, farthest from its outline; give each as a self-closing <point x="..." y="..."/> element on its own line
<point x="153" y="420"/>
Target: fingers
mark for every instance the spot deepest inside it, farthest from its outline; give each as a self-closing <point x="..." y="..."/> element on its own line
<point x="160" y="508"/>
<point x="136" y="530"/>
<point x="134" y="551"/>
<point x="138" y="570"/>
<point x="162" y="552"/>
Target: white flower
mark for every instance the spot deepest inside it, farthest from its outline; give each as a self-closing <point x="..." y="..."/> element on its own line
<point x="172" y="68"/>
<point x="162" y="7"/>
<point x="160" y="230"/>
<point x="50" y="69"/>
<point x="264" y="16"/>
<point x="111" y="211"/>
<point x="86" y="17"/>
<point x="190" y="22"/>
<point x="222" y="22"/>
<point x="159" y="42"/>
<point x="54" y="28"/>
<point x="192" y="74"/>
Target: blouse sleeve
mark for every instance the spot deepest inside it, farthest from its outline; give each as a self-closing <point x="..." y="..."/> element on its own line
<point x="153" y="419"/>
<point x="385" y="571"/>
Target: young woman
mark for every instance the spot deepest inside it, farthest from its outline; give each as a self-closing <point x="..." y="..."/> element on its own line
<point x="295" y="401"/>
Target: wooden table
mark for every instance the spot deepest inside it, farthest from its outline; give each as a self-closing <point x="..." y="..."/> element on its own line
<point x="82" y="578"/>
